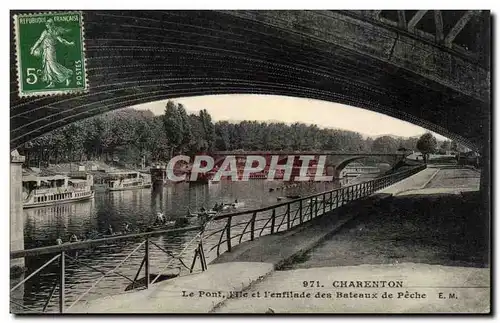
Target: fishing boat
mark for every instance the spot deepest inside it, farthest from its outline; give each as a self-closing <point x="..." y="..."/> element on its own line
<point x="225" y="207"/>
<point x="163" y="225"/>
<point x="127" y="180"/>
<point x="293" y="196"/>
<point x="237" y="205"/>
<point x="209" y="213"/>
<point x="57" y="189"/>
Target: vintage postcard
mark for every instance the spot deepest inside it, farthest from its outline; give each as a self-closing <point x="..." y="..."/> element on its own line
<point x="261" y="162"/>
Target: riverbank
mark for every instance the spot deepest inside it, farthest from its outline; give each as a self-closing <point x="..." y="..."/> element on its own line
<point x="251" y="267"/>
<point x="138" y="207"/>
<point x="434" y="244"/>
<point x="91" y="165"/>
<point x="272" y="251"/>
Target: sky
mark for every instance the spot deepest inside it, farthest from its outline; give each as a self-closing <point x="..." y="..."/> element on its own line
<point x="238" y="107"/>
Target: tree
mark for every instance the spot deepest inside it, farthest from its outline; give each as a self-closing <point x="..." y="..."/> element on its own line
<point x="172" y="124"/>
<point x="130" y="134"/>
<point x="187" y="134"/>
<point x="385" y="144"/>
<point x="445" y="145"/>
<point x="208" y="128"/>
<point x="222" y="133"/>
<point x="427" y="144"/>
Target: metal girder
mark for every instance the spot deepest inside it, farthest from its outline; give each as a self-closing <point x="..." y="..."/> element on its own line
<point x="415" y="19"/>
<point x="458" y="27"/>
<point x="376" y="14"/>
<point x="401" y="19"/>
<point x="438" y="19"/>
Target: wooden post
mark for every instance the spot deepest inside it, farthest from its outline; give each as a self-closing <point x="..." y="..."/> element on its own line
<point x="252" y="226"/>
<point x="300" y="211"/>
<point x="196" y="252"/>
<point x="61" y="283"/>
<point x="201" y="253"/>
<point x="228" y="234"/>
<point x="315" y="206"/>
<point x="202" y="257"/>
<point x="331" y="201"/>
<point x="273" y="220"/>
<point x="288" y="216"/>
<point x="146" y="263"/>
<point x="311" y="208"/>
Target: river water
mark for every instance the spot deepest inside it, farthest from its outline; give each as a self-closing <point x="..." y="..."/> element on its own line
<point x="138" y="207"/>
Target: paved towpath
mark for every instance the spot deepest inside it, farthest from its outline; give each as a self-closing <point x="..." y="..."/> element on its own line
<point x="439" y="227"/>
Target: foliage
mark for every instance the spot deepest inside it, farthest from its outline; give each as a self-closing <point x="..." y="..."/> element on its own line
<point x="445" y="145"/>
<point x="427" y="144"/>
<point x="128" y="135"/>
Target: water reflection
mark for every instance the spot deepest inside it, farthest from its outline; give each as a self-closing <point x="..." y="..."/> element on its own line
<point x="138" y="207"/>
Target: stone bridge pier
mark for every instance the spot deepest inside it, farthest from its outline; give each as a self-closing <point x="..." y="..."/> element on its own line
<point x="16" y="210"/>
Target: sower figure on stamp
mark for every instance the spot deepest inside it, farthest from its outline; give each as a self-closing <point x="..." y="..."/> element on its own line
<point x="45" y="46"/>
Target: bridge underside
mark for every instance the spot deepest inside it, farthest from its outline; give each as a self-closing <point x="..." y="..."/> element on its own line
<point x="135" y="57"/>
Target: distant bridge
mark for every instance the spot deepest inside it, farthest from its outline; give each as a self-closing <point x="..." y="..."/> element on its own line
<point x="338" y="160"/>
<point x="296" y="153"/>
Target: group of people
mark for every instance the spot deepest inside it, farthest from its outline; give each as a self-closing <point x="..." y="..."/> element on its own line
<point x="93" y="234"/>
<point x="73" y="238"/>
<point x="126" y="229"/>
<point x="160" y="218"/>
<point x="219" y="207"/>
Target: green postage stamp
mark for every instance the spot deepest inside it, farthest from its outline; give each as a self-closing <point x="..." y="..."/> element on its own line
<point x="50" y="53"/>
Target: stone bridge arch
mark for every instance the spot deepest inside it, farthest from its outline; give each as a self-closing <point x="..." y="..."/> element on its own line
<point x="338" y="168"/>
<point x="390" y="159"/>
<point x="366" y="59"/>
<point x="334" y="163"/>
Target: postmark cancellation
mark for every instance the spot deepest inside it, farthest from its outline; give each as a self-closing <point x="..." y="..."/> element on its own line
<point x="50" y="53"/>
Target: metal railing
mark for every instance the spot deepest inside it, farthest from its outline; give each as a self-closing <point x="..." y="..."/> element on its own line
<point x="232" y="229"/>
<point x="142" y="239"/>
<point x="228" y="231"/>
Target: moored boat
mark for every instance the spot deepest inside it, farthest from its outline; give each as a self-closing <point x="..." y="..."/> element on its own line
<point x="237" y="205"/>
<point x="231" y="206"/>
<point x="127" y="180"/>
<point x="56" y="189"/>
<point x="201" y="213"/>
